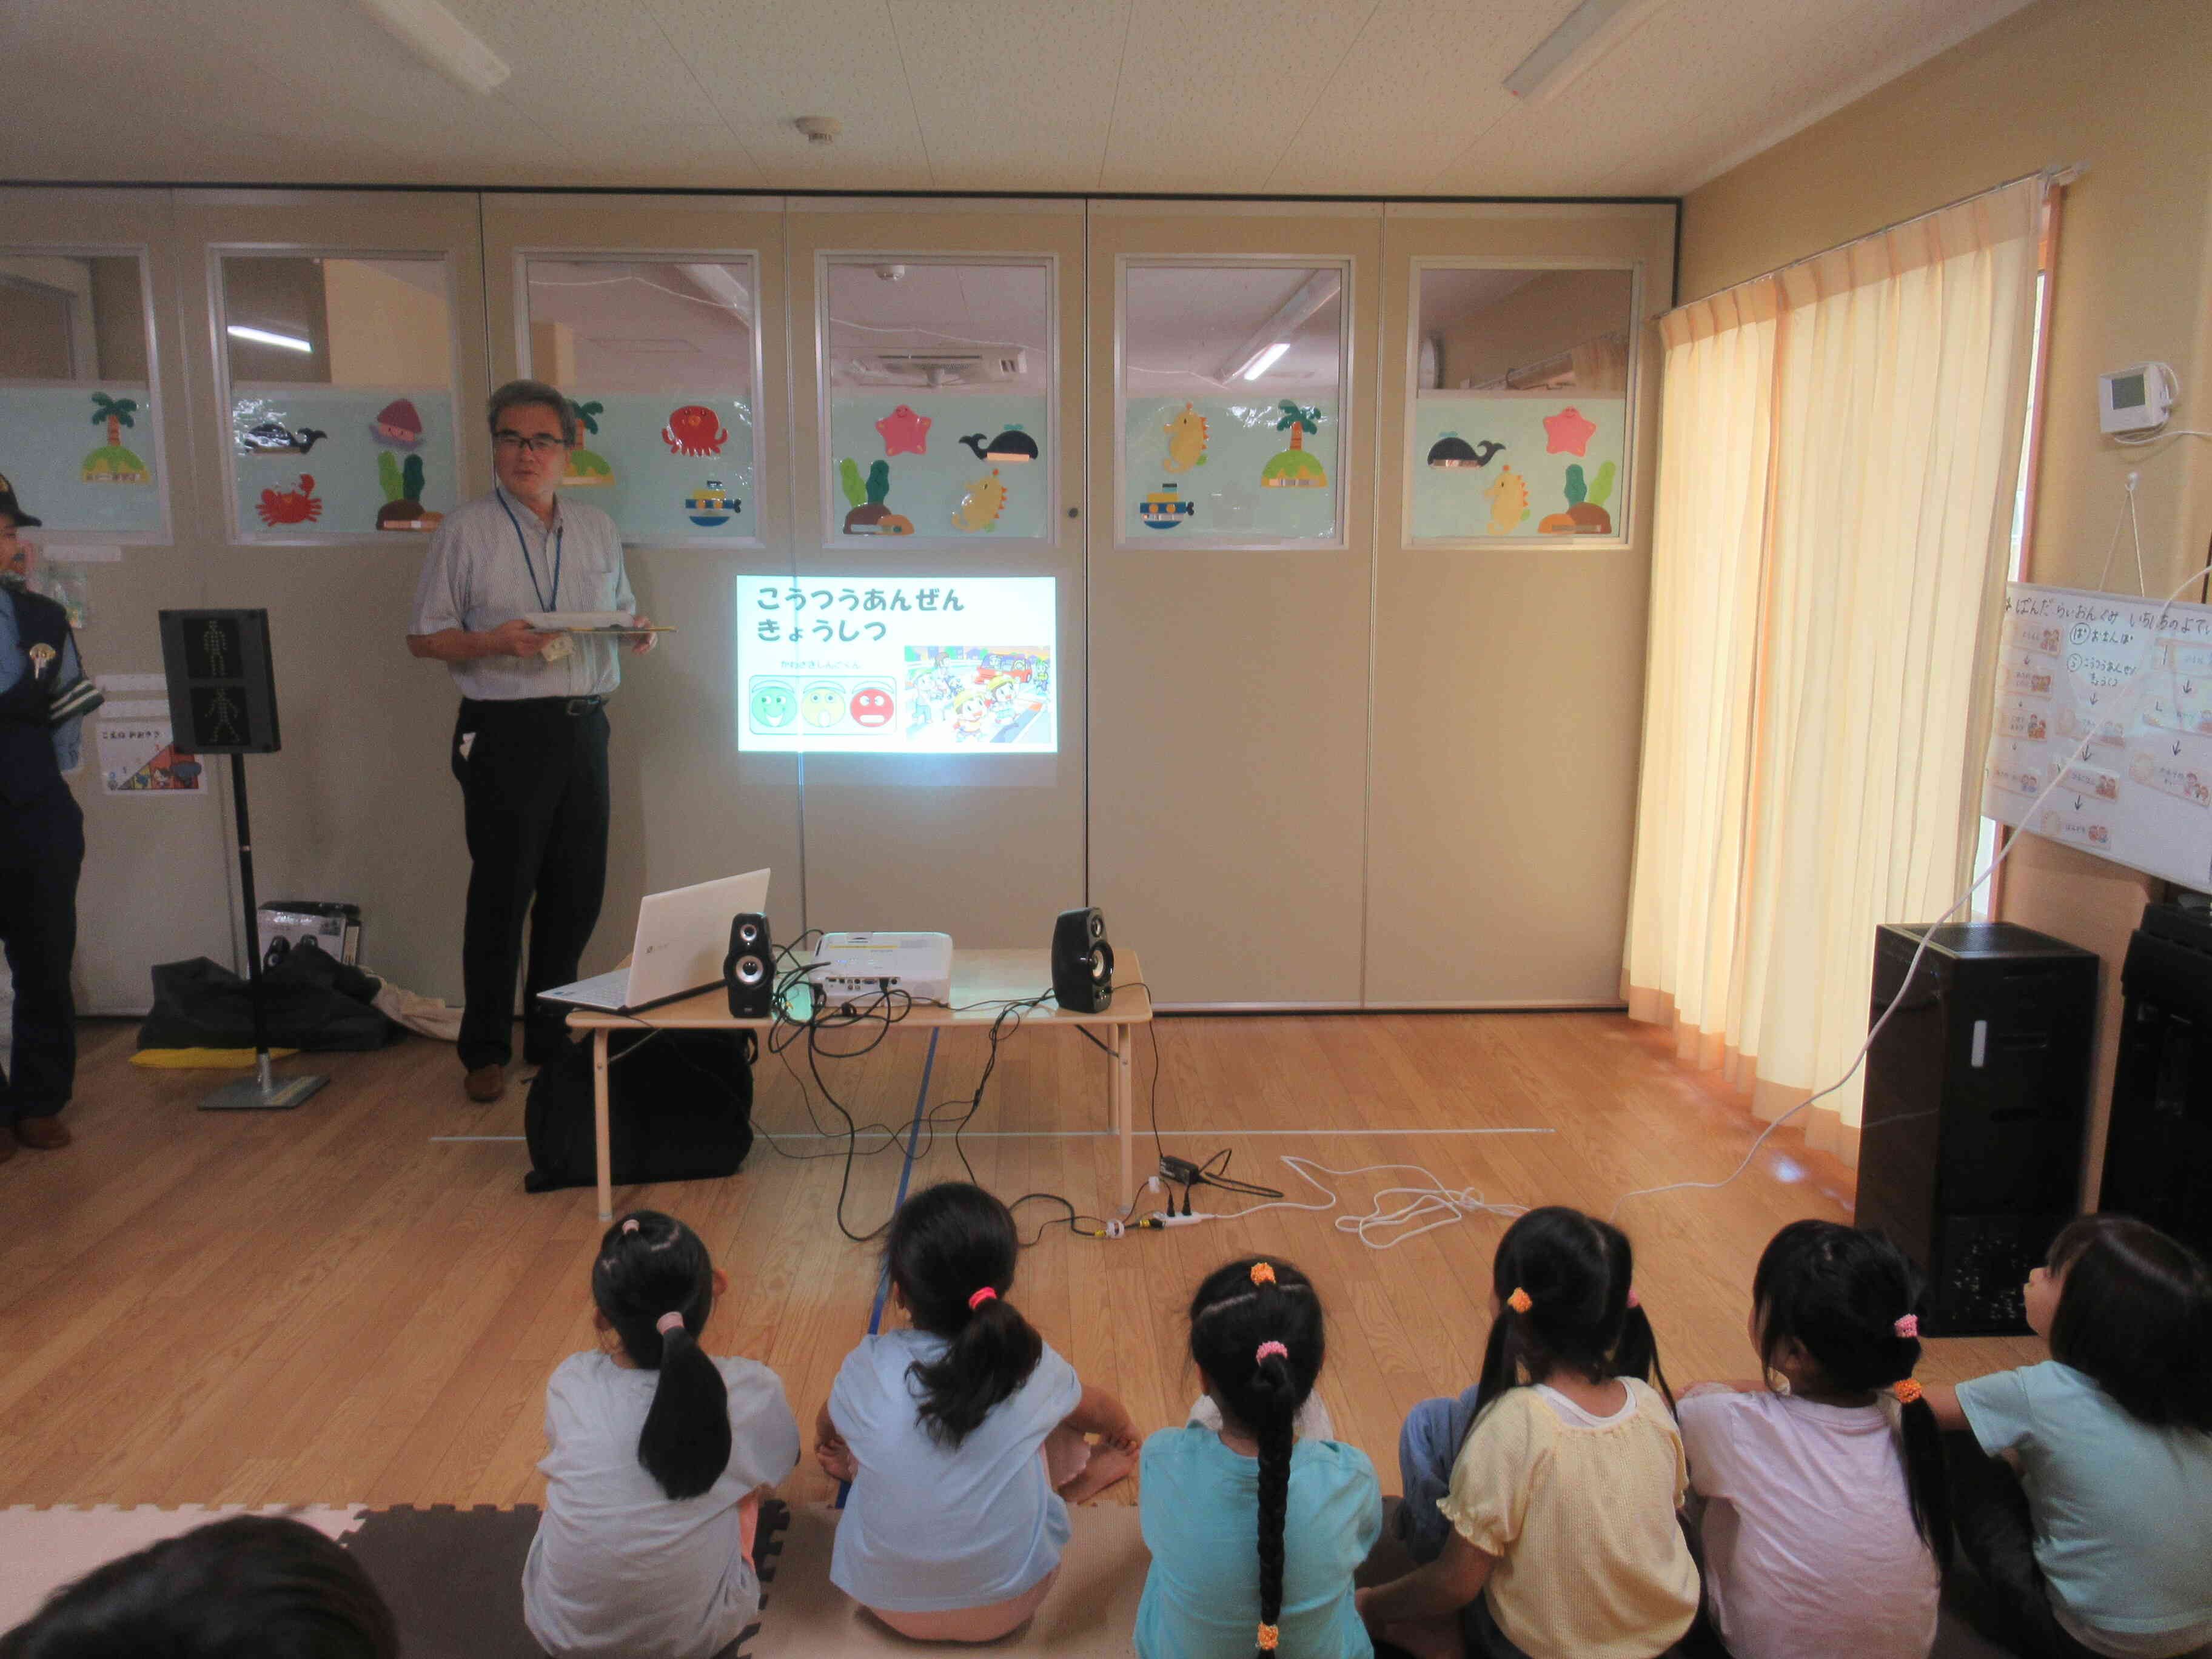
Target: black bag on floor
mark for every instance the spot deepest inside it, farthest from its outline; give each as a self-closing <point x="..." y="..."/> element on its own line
<point x="679" y="1107"/>
<point x="311" y="1002"/>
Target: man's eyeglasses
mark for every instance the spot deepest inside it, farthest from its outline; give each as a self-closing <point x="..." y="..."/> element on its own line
<point x="544" y="443"/>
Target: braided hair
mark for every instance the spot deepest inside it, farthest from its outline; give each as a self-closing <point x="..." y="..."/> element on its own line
<point x="951" y="1253"/>
<point x="1565" y="1283"/>
<point x="1847" y="1296"/>
<point x="1255" y="1332"/>
<point x="652" y="1271"/>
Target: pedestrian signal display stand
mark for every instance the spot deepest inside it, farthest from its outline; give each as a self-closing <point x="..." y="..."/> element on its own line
<point x="222" y="700"/>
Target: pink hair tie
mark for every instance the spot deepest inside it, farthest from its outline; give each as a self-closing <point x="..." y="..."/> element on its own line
<point x="986" y="1294"/>
<point x="1908" y="1325"/>
<point x="1633" y="1300"/>
<point x="1259" y="1358"/>
<point x="630" y="1226"/>
<point x="669" y="1321"/>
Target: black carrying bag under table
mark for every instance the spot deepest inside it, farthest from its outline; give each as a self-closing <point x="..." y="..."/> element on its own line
<point x="679" y="1107"/>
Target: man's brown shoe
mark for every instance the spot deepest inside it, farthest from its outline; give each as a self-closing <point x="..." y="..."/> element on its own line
<point x="486" y="1083"/>
<point x="47" y="1135"/>
<point x="7" y="1147"/>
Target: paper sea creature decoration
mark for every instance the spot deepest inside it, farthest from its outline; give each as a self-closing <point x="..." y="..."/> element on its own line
<point x="1585" y="514"/>
<point x="869" y="516"/>
<point x="1567" y="433"/>
<point x="710" y="507"/>
<point x="1186" y="439"/>
<point x="112" y="463"/>
<point x="1452" y="451"/>
<point x="904" y="432"/>
<point x="1013" y="445"/>
<point x="1509" y="501"/>
<point x="980" y="507"/>
<point x="300" y="506"/>
<point x="398" y="425"/>
<point x="586" y="467"/>
<point x="402" y="507"/>
<point x="273" y="437"/>
<point x="1165" y="508"/>
<point x="694" y="430"/>
<point x="1296" y="467"/>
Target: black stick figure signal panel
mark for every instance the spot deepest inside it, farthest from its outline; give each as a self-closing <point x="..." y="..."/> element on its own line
<point x="222" y="689"/>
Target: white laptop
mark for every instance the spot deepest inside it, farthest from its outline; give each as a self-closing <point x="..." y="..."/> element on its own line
<point x="682" y="938"/>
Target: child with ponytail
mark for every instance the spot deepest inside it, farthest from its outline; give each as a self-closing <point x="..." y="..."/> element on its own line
<point x="964" y="1437"/>
<point x="1823" y="1510"/>
<point x="1561" y="1500"/>
<point x="657" y="1457"/>
<point x="1256" y="1337"/>
<point x="2084" y="1493"/>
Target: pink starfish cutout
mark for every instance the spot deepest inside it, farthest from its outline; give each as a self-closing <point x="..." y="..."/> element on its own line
<point x="1567" y="433"/>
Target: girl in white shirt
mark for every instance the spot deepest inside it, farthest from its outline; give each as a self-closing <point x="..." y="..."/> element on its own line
<point x="1823" y="1510"/>
<point x="657" y="1458"/>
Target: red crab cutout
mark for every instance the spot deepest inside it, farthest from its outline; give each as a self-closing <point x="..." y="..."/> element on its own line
<point x="298" y="505"/>
<point x="694" y="430"/>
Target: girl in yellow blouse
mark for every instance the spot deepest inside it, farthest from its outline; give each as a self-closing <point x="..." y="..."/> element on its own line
<point x="1564" y="1543"/>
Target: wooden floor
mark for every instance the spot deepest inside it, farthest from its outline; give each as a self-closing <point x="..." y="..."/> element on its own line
<point x="333" y="1305"/>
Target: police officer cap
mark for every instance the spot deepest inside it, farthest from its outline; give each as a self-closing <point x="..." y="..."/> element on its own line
<point x="12" y="508"/>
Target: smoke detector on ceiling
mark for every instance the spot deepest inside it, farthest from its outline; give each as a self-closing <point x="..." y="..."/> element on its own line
<point x="818" y="128"/>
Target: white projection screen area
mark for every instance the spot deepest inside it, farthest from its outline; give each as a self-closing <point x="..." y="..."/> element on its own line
<point x="905" y="665"/>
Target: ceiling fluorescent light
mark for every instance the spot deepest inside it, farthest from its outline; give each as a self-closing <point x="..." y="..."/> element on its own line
<point x="441" y="40"/>
<point x="1590" y="31"/>
<point x="263" y="337"/>
<point x="1265" y="360"/>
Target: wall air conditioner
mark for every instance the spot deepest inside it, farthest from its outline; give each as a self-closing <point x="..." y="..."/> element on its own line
<point x="939" y="367"/>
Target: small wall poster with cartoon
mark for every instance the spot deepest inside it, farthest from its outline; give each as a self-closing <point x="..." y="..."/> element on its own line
<point x="334" y="460"/>
<point x="1200" y="468"/>
<point x="137" y="758"/>
<point x="914" y="665"/>
<point x="942" y="464"/>
<point x="1540" y="466"/>
<point x="2071" y="663"/>
<point x="85" y="457"/>
<point x="672" y="469"/>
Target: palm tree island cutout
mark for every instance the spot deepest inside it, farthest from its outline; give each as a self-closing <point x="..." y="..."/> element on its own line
<point x="1296" y="467"/>
<point x="112" y="463"/>
<point x="586" y="467"/>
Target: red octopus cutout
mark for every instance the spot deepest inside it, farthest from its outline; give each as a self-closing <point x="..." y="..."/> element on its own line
<point x="299" y="506"/>
<point x="694" y="430"/>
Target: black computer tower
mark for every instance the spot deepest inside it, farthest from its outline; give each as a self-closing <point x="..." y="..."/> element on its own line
<point x="1976" y="1093"/>
<point x="2158" y="1149"/>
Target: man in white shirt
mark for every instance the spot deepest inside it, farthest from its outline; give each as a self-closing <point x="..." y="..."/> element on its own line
<point x="530" y="746"/>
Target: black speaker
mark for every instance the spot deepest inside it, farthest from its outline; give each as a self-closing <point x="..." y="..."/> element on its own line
<point x="1976" y="1093"/>
<point x="749" y="971"/>
<point x="2158" y="1151"/>
<point x="1082" y="963"/>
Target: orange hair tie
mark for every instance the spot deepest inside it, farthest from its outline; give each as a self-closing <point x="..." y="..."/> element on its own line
<point x="1907" y="1392"/>
<point x="1269" y="1637"/>
<point x="1519" y="1301"/>
<point x="1263" y="1273"/>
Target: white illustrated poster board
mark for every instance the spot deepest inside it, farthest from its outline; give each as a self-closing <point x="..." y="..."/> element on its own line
<point x="2140" y="794"/>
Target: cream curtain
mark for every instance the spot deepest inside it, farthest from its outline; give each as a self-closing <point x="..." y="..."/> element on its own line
<point x="1837" y="467"/>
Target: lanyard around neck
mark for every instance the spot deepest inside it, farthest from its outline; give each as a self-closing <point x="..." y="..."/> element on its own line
<point x="531" y="565"/>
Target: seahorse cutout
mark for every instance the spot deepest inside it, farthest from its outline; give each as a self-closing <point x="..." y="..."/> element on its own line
<point x="1509" y="501"/>
<point x="980" y="507"/>
<point x="1186" y="441"/>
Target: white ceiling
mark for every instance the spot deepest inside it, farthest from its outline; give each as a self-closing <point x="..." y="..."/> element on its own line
<point x="1279" y="97"/>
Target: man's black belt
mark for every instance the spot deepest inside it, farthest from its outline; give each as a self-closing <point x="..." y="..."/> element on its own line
<point x="569" y="706"/>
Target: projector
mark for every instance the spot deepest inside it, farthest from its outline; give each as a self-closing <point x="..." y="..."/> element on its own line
<point x="849" y="967"/>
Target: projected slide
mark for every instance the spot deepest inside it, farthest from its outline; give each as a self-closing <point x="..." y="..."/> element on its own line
<point x="910" y="665"/>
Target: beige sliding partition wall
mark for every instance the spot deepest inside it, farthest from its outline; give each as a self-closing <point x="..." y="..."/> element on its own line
<point x="386" y="291"/>
<point x="1509" y="666"/>
<point x="1229" y="672"/>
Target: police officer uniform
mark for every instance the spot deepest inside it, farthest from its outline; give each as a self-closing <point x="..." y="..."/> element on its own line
<point x="44" y="697"/>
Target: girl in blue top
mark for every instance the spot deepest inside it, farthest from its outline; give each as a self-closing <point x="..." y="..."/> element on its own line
<point x="2103" y="1545"/>
<point x="1249" y="1518"/>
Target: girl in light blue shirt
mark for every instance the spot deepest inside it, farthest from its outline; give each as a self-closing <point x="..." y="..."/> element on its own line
<point x="2103" y="1545"/>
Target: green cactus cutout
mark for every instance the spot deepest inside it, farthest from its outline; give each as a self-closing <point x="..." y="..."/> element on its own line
<point x="1601" y="491"/>
<point x="387" y="475"/>
<point x="848" y="480"/>
<point x="1578" y="492"/>
<point x="879" y="483"/>
<point x="411" y="477"/>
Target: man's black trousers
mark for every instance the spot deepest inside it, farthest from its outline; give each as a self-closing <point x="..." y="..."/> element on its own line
<point x="534" y="787"/>
<point x="42" y="851"/>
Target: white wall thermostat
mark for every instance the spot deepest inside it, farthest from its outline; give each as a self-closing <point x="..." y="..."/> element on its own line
<point x="2135" y="399"/>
